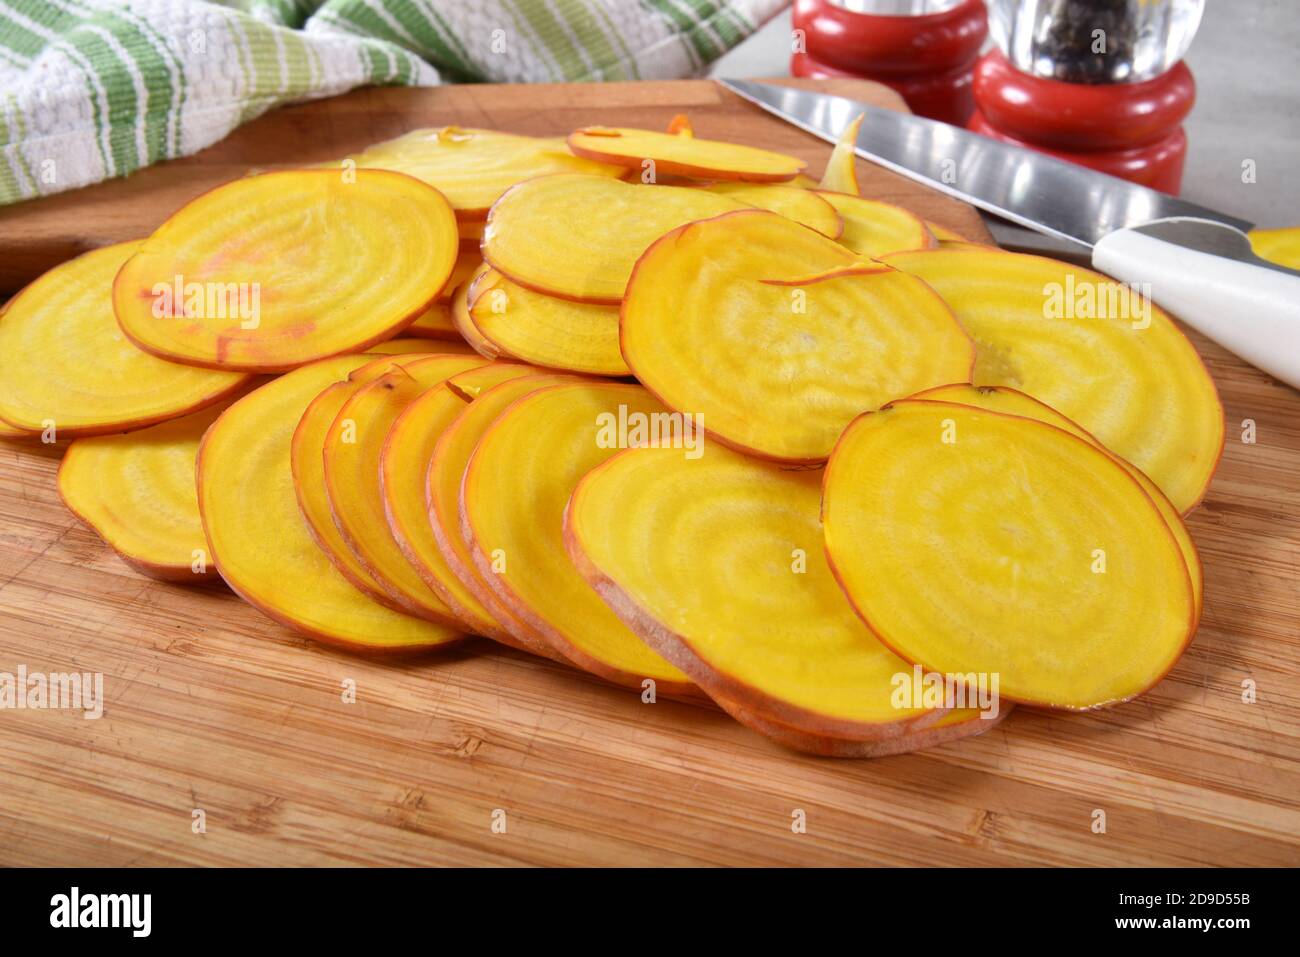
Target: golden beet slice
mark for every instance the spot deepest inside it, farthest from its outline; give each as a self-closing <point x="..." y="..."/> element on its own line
<point x="778" y="337"/>
<point x="403" y="474"/>
<point x="973" y="542"/>
<point x="451" y="455"/>
<point x="841" y="174"/>
<point x="272" y="271"/>
<point x="65" y="365"/>
<point x="873" y="228"/>
<point x="473" y="167"/>
<point x="352" y="449"/>
<point x="436" y="322"/>
<point x="718" y="564"/>
<point x="136" y="490"/>
<point x="945" y="235"/>
<point x="1094" y="350"/>
<point x="256" y="535"/>
<point x="517" y="322"/>
<point x="306" y="459"/>
<point x="1011" y="402"/>
<point x="308" y="467"/>
<point x="470" y="385"/>
<point x="680" y="125"/>
<point x="404" y="346"/>
<point x="468" y="262"/>
<point x="802" y="205"/>
<point x="512" y="503"/>
<point x="954" y="724"/>
<point x="533" y="233"/>
<point x="677" y="155"/>
<point x="8" y="431"/>
<point x="464" y="322"/>
<point x="1281" y="246"/>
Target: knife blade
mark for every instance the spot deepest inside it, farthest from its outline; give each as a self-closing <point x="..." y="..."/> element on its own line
<point x="1195" y="262"/>
<point x="1041" y="192"/>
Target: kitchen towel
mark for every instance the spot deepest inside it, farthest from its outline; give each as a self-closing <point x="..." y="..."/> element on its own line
<point x="91" y="89"/>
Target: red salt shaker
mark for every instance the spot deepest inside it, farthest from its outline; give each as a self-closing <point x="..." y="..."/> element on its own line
<point x="924" y="49"/>
<point x="1097" y="82"/>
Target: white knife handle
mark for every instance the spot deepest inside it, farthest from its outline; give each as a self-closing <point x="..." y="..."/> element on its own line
<point x="1205" y="274"/>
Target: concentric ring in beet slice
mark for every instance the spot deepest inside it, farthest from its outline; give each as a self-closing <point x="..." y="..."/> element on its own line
<point x="136" y="490"/>
<point x="779" y="336"/>
<point x="270" y="272"/>
<point x="66" y="369"/>
<point x="977" y="543"/>
<point x="577" y="237"/>
<point x="1011" y="402"/>
<point x="717" y="563"/>
<point x="1097" y="351"/>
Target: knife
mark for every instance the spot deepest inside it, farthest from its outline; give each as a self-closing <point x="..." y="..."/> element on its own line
<point x="1196" y="262"/>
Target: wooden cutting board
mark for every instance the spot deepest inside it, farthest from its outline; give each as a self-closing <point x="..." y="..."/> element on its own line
<point x="211" y="707"/>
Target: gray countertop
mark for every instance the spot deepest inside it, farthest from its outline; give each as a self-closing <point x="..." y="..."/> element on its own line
<point x="1247" y="73"/>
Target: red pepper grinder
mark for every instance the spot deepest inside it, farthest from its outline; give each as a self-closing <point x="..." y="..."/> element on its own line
<point x="924" y="49"/>
<point x="1097" y="82"/>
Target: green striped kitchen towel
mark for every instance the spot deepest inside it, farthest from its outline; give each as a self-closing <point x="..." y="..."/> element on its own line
<point x="91" y="89"/>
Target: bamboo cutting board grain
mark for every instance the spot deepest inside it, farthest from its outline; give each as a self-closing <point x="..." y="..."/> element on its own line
<point x="210" y="707"/>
